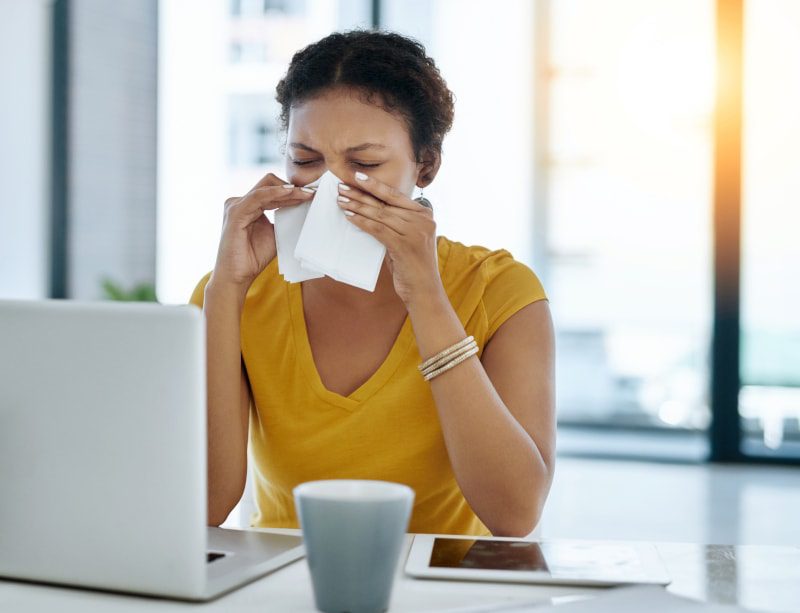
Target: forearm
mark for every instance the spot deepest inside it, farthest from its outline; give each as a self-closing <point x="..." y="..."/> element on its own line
<point x="497" y="464"/>
<point x="227" y="427"/>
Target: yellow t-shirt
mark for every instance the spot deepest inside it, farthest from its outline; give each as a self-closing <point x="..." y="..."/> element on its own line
<point x="388" y="428"/>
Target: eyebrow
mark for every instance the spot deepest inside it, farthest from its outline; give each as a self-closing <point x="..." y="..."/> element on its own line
<point x="360" y="147"/>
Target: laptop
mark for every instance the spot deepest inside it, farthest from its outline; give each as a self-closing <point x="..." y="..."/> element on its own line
<point x="103" y="454"/>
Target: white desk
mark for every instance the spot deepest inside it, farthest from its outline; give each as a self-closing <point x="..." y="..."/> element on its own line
<point x="765" y="578"/>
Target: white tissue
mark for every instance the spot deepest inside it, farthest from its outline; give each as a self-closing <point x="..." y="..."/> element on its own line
<point x="288" y="224"/>
<point x="317" y="239"/>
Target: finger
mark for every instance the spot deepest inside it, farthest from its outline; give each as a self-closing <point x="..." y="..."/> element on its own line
<point x="376" y="229"/>
<point x="284" y="195"/>
<point x="247" y="217"/>
<point x="264" y="198"/>
<point x="386" y="193"/>
<point x="269" y="180"/>
<point x="275" y="197"/>
<point x="361" y="196"/>
<point x="381" y="213"/>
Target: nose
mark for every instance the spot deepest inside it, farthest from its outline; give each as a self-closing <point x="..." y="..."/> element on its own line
<point x="340" y="169"/>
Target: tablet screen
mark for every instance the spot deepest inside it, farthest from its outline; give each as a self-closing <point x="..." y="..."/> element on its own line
<point x="563" y="560"/>
<point x="485" y="555"/>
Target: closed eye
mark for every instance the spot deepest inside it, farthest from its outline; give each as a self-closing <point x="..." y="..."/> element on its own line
<point x="361" y="164"/>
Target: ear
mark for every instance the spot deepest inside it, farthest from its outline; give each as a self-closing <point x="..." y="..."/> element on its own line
<point x="428" y="167"/>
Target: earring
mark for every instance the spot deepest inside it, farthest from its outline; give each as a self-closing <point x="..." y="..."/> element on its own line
<point x="423" y="200"/>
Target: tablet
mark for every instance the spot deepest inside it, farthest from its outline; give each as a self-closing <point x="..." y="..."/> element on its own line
<point x="589" y="563"/>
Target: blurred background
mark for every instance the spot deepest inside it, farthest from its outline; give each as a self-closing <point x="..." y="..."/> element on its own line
<point x="642" y="156"/>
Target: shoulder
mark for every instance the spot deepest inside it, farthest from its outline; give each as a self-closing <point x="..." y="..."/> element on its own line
<point x="496" y="268"/>
<point x="198" y="294"/>
<point x="501" y="283"/>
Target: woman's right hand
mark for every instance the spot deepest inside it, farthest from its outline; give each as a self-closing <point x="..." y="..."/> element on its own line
<point x="247" y="244"/>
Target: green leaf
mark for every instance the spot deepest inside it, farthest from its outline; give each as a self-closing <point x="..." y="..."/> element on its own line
<point x="142" y="292"/>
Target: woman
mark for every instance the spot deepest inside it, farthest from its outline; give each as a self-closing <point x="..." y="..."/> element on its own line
<point x="323" y="377"/>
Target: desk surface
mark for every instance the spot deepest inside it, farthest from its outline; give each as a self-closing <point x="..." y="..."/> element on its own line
<point x="757" y="577"/>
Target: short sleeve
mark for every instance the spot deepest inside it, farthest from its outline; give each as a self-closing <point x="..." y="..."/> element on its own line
<point x="198" y="295"/>
<point x="510" y="285"/>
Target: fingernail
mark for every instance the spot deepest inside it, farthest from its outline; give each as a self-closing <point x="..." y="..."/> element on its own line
<point x="361" y="176"/>
<point x="307" y="190"/>
<point x="344" y="187"/>
<point x="343" y="199"/>
<point x="349" y="213"/>
<point x="288" y="186"/>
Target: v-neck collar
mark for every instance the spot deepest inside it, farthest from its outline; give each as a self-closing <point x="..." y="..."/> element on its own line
<point x="378" y="379"/>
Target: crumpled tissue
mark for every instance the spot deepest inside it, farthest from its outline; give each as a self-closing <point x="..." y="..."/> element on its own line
<point x="315" y="239"/>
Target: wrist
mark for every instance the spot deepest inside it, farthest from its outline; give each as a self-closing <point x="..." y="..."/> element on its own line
<point x="222" y="288"/>
<point x="436" y="325"/>
<point x="432" y="299"/>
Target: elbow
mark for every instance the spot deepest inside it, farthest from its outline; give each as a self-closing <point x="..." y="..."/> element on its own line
<point x="518" y="528"/>
<point x="218" y="511"/>
<point x="524" y="504"/>
<point x="223" y="498"/>
<point x="217" y="517"/>
<point x="528" y="511"/>
<point x="523" y="520"/>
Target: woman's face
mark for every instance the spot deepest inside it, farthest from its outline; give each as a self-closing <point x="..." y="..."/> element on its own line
<point x="336" y="131"/>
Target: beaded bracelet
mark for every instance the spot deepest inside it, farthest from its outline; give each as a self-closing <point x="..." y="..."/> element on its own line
<point x="451" y="364"/>
<point x="446" y="351"/>
<point x="448" y="358"/>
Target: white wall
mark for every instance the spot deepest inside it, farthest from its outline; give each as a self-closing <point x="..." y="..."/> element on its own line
<point x="24" y="147"/>
<point x="192" y="150"/>
<point x="483" y="194"/>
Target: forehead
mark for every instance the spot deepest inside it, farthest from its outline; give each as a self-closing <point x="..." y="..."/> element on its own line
<point x="341" y="119"/>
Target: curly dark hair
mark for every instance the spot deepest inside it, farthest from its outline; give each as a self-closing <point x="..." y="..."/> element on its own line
<point x="388" y="69"/>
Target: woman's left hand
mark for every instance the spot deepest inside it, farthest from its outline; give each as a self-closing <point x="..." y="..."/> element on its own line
<point x="405" y="227"/>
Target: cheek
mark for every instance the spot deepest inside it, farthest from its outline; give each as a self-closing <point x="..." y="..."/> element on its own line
<point x="299" y="176"/>
<point x="399" y="174"/>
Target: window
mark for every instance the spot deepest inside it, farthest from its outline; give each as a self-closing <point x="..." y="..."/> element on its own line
<point x="628" y="172"/>
<point x="583" y="143"/>
<point x="219" y="63"/>
<point x="769" y="401"/>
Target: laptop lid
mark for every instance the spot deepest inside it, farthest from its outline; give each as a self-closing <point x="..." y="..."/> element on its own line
<point x="103" y="445"/>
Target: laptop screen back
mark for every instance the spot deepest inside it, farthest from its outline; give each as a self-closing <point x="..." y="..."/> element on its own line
<point x="102" y="445"/>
